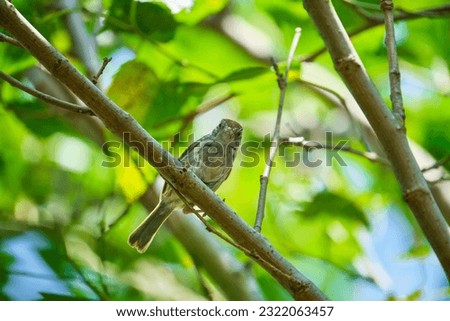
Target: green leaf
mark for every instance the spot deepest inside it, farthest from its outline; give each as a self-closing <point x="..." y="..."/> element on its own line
<point x="152" y="19"/>
<point x="330" y="204"/>
<point x="118" y="17"/>
<point x="134" y="88"/>
<point x="245" y="73"/>
<point x="137" y="89"/>
<point x="174" y="98"/>
<point x="155" y="20"/>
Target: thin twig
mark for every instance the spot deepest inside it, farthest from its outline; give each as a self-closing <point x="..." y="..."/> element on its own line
<point x="307" y="145"/>
<point x="11" y="41"/>
<point x="387" y="7"/>
<point x="374" y="21"/>
<point x="106" y="61"/>
<point x="282" y="84"/>
<point x="439" y="163"/>
<point x="46" y="98"/>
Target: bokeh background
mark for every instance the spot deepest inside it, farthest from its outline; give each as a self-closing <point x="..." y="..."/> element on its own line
<point x="65" y="216"/>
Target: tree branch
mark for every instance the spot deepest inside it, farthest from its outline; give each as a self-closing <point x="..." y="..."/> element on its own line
<point x="120" y="122"/>
<point x="46" y="98"/>
<point x="415" y="189"/>
<point x="282" y="85"/>
<point x="77" y="29"/>
<point x="11" y="41"/>
<point x="394" y="72"/>
<point x="97" y="76"/>
<point x="374" y="21"/>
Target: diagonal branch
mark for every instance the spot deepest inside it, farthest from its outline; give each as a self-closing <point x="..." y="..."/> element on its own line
<point x="46" y="98"/>
<point x="11" y="41"/>
<point x="120" y="122"/>
<point x="394" y="141"/>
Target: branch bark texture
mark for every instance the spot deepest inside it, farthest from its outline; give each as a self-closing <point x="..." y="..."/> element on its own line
<point x="120" y="122"/>
<point x="393" y="139"/>
<point x="394" y="71"/>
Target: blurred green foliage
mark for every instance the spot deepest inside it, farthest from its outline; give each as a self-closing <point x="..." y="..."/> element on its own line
<point x="71" y="216"/>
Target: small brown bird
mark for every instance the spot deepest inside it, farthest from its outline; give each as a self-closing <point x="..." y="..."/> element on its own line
<point x="211" y="159"/>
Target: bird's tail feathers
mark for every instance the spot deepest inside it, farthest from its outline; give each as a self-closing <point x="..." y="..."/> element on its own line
<point x="143" y="235"/>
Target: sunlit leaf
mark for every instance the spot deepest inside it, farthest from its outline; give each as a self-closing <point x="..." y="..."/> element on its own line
<point x="134" y="88"/>
<point x="131" y="182"/>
